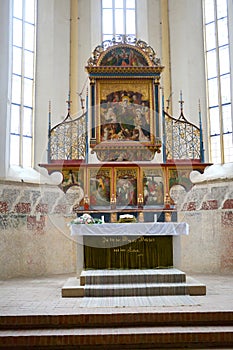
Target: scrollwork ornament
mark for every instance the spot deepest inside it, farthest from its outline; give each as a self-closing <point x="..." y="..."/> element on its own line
<point x="119" y="40"/>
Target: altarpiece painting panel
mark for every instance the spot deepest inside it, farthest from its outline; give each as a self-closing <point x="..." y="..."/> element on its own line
<point x="99" y="186"/>
<point x="73" y="177"/>
<point x="153" y="187"/>
<point x="126" y="186"/>
<point x="125" y="112"/>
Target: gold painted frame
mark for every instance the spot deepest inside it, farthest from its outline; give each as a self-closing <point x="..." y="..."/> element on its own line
<point x="125" y="110"/>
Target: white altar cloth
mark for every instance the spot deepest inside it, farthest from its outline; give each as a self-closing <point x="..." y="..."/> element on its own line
<point x="131" y="229"/>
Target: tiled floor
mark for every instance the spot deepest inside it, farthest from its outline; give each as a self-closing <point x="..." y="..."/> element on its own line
<point x="42" y="295"/>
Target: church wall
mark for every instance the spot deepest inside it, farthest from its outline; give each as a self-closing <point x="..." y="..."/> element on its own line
<point x="35" y="239"/>
<point x="187" y="61"/>
<point x="89" y="36"/>
<point x="34" y="234"/>
<point x="187" y="55"/>
<point x="208" y="209"/>
<point x="142" y="20"/>
<point x="52" y="78"/>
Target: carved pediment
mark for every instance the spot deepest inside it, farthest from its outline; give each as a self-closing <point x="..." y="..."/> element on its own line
<point x="123" y="51"/>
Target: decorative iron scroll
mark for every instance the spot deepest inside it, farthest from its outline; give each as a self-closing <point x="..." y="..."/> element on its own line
<point x="124" y="39"/>
<point x="67" y="140"/>
<point x="182" y="138"/>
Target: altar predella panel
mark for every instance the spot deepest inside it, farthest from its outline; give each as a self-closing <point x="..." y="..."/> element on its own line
<point x="126" y="183"/>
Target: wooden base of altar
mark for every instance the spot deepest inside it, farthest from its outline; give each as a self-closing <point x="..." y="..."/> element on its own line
<point x="128" y="252"/>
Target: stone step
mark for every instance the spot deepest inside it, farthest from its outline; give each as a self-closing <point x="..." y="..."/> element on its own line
<point x="132" y="276"/>
<point x="73" y="288"/>
<point x="119" y="338"/>
<point x="135" y="289"/>
<point x="120" y="319"/>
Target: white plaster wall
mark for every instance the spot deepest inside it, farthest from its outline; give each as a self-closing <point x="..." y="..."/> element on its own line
<point x="52" y="78"/>
<point x="187" y="59"/>
<point x="34" y="233"/>
<point x="201" y="249"/>
<point x="89" y="36"/>
<point x="35" y="239"/>
<point x="142" y="20"/>
<point x="36" y="253"/>
<point x="153" y="26"/>
<point x="209" y="246"/>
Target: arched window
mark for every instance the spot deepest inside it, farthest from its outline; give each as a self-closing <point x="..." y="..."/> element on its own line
<point x="23" y="73"/>
<point x="216" y="30"/>
<point x="118" y="17"/>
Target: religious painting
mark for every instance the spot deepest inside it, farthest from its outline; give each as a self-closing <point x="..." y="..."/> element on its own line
<point x="179" y="176"/>
<point x="123" y="56"/>
<point x="126" y="111"/>
<point x="71" y="178"/>
<point x="153" y="187"/>
<point x="99" y="186"/>
<point x="126" y="187"/>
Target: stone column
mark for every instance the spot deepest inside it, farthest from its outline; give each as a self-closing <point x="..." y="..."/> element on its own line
<point x="74" y="56"/>
<point x="166" y="56"/>
<point x="5" y="88"/>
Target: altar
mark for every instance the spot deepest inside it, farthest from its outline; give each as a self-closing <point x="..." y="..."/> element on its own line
<point x="127" y="245"/>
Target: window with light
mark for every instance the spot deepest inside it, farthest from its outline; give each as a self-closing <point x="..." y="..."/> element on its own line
<point x="118" y="18"/>
<point x="216" y="25"/>
<point x="23" y="73"/>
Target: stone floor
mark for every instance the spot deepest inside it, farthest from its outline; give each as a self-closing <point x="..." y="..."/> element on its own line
<point x="42" y="295"/>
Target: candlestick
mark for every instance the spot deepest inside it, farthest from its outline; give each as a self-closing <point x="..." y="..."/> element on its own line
<point x="113" y="202"/>
<point x="140" y="201"/>
<point x="86" y="202"/>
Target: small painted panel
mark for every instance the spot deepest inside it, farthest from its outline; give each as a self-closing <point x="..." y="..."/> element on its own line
<point x="126" y="186"/>
<point x="72" y="177"/>
<point x="100" y="186"/>
<point x="153" y="187"/>
<point x="180" y="176"/>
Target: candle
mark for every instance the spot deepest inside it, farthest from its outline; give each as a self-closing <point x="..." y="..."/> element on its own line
<point x="102" y="218"/>
<point x="155" y="217"/>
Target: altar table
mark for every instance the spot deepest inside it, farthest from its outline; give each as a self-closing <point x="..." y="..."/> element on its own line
<point x="128" y="245"/>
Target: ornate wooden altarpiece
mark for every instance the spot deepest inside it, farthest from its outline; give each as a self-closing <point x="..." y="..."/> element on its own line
<point x="124" y="78"/>
<point x="123" y="126"/>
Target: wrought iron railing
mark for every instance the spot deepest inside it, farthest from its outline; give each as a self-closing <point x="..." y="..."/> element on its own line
<point x="182" y="139"/>
<point x="68" y="139"/>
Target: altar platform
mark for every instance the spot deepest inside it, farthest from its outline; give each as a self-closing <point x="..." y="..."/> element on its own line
<point x="129" y="259"/>
<point x="132" y="283"/>
<point x="32" y="311"/>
